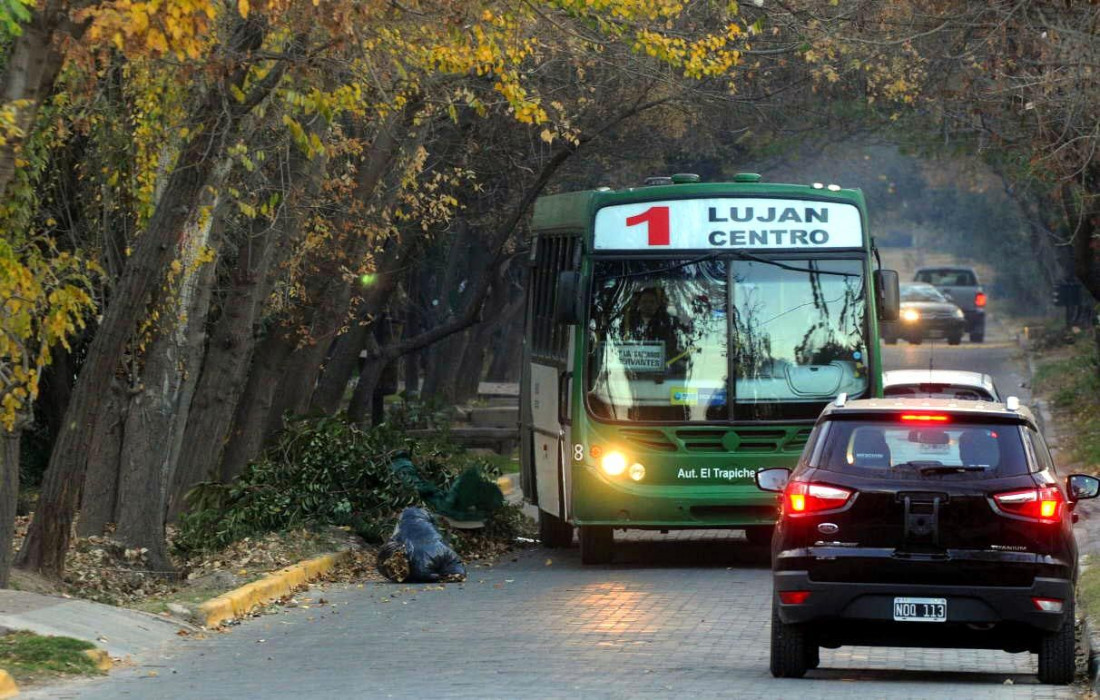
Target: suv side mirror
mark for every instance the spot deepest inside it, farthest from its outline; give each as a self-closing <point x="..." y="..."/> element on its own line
<point x="567" y="298"/>
<point x="772" y="479"/>
<point x="887" y="294"/>
<point x="1082" y="486"/>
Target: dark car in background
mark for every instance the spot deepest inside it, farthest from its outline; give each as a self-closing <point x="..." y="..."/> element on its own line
<point x="961" y="285"/>
<point x="939" y="384"/>
<point x="925" y="313"/>
<point x="925" y="523"/>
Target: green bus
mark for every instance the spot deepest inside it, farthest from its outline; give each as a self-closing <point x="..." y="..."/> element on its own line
<point x="680" y="337"/>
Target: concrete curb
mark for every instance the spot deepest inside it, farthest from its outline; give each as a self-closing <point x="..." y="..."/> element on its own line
<point x="270" y="588"/>
<point x="507" y="483"/>
<point x="8" y="688"/>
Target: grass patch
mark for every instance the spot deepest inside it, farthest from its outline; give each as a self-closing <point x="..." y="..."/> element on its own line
<point x="501" y="463"/>
<point x="1088" y="590"/>
<point x="30" y="658"/>
<point x="1072" y="384"/>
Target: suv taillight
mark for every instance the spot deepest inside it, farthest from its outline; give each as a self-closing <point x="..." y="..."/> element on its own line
<point x="801" y="498"/>
<point x="979" y="299"/>
<point x="1044" y="505"/>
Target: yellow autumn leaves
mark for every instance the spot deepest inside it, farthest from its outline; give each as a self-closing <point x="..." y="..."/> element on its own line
<point x="180" y="28"/>
<point x="45" y="298"/>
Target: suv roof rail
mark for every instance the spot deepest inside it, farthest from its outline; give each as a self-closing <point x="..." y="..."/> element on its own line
<point x="841" y="399"/>
<point x="1012" y="403"/>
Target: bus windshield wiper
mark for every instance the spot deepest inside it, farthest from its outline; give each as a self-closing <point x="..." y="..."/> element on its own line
<point x="775" y="263"/>
<point x="669" y="268"/>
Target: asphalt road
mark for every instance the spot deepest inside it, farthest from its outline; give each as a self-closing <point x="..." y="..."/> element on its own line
<point x="685" y="616"/>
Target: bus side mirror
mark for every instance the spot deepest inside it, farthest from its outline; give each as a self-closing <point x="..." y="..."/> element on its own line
<point x="567" y="298"/>
<point x="887" y="294"/>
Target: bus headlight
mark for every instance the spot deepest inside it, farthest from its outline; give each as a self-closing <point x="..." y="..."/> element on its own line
<point x="910" y="315"/>
<point x="637" y="471"/>
<point x="613" y="463"/>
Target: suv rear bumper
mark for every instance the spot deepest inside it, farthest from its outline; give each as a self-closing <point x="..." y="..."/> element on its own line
<point x="874" y="602"/>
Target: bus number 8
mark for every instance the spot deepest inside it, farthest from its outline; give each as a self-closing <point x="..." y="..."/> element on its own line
<point x="578" y="452"/>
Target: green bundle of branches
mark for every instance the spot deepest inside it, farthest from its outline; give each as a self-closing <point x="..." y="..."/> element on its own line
<point x="321" y="471"/>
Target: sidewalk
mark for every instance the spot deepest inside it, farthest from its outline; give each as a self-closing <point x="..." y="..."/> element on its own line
<point x="122" y="632"/>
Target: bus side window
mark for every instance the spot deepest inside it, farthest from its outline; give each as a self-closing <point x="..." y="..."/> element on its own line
<point x="551" y="255"/>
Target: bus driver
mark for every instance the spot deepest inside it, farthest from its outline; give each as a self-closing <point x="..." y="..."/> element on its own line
<point x="648" y="319"/>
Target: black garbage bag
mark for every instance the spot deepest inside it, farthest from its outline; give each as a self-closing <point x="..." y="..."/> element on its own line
<point x="416" y="553"/>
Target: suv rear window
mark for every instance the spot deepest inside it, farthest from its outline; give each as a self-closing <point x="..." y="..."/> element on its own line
<point x="948" y="278"/>
<point x="898" y="450"/>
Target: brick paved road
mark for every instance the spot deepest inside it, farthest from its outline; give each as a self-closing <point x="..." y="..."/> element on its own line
<point x="655" y="624"/>
<point x="684" y="617"/>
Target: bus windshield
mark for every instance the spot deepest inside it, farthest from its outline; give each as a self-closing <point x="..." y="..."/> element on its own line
<point x="664" y="337"/>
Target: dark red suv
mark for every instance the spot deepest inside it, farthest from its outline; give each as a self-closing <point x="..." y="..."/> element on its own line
<point x="925" y="522"/>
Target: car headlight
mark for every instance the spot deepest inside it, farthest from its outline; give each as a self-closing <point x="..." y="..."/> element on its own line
<point x="910" y="315"/>
<point x="959" y="313"/>
<point x="613" y="463"/>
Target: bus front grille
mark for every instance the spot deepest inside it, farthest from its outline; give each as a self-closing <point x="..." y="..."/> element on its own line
<point x="718" y="439"/>
<point x="742" y="439"/>
<point x="649" y="439"/>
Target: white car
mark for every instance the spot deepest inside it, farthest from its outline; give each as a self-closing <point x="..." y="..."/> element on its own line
<point x="940" y="384"/>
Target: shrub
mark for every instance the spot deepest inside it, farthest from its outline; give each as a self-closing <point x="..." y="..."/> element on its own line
<point x="320" y="471"/>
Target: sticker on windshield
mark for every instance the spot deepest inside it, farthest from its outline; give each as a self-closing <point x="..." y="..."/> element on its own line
<point x="683" y="396"/>
<point x="635" y="356"/>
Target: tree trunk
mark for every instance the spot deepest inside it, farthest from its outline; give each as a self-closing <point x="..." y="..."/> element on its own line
<point x="216" y="120"/>
<point x="224" y="373"/>
<point x="439" y="375"/>
<point x="340" y="366"/>
<point x="99" y="497"/>
<point x="33" y="64"/>
<point x="495" y="313"/>
<point x="328" y="291"/>
<point x="232" y="344"/>
<point x="508" y="351"/>
<point x="248" y="433"/>
<point x="411" y="361"/>
<point x="158" y="413"/>
<point x="359" y="408"/>
<point x="9" y="496"/>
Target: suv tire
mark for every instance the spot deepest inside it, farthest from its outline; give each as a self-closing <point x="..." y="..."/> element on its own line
<point x="813" y="655"/>
<point x="554" y="532"/>
<point x="890" y="339"/>
<point x="1058" y="653"/>
<point x="597" y="542"/>
<point x="916" y="339"/>
<point x="790" y="652"/>
<point x="954" y="340"/>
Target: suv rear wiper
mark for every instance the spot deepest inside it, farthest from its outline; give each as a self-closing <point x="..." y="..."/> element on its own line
<point x="947" y="469"/>
<point x="933" y="467"/>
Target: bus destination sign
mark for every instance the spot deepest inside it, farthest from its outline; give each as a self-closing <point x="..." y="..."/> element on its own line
<point x="728" y="222"/>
